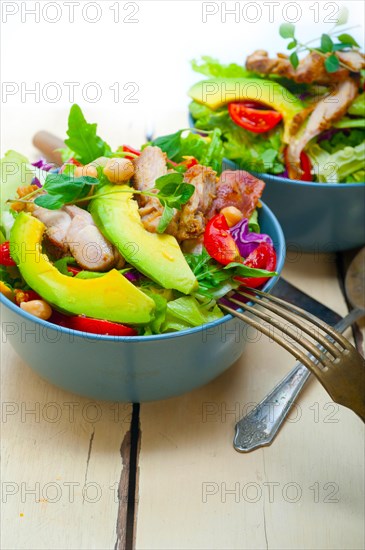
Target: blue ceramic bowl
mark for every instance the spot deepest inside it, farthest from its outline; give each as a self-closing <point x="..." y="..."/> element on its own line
<point x="133" y="369"/>
<point x="315" y="217"/>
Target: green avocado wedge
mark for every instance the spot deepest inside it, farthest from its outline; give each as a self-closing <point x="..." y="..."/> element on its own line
<point x="219" y="91"/>
<point x="111" y="297"/>
<point x="157" y="256"/>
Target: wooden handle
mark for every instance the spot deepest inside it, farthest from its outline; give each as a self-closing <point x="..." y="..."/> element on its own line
<point x="47" y="144"/>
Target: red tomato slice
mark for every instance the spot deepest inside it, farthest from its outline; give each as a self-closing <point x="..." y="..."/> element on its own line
<point x="263" y="257"/>
<point x="219" y="242"/>
<point x="253" y="117"/>
<point x="5" y="258"/>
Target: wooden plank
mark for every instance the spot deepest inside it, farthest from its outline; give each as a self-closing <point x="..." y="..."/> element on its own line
<point x="61" y="464"/>
<point x="305" y="491"/>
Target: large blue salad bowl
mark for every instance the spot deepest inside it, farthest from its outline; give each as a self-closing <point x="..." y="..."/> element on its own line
<point x="132" y="369"/>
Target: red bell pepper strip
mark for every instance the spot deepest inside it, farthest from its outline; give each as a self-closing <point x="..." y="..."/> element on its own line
<point x="305" y="164"/>
<point x="74" y="270"/>
<point x="5" y="258"/>
<point x="218" y="241"/>
<point x="128" y="149"/>
<point x="253" y="116"/>
<point x="94" y="326"/>
<point x="263" y="257"/>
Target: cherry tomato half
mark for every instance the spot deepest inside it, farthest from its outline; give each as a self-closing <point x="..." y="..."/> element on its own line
<point x="263" y="257"/>
<point x="5" y="258"/>
<point x="253" y="117"/>
<point x="305" y="165"/>
<point x="218" y="241"/>
<point x="94" y="326"/>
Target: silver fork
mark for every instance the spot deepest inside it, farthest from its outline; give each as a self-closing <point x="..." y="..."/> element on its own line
<point x="332" y="359"/>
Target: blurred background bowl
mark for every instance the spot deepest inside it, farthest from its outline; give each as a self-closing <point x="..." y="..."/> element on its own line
<point x="316" y="217"/>
<point x="133" y="369"/>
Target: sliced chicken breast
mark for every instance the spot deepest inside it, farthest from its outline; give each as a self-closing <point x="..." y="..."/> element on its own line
<point x="193" y="215"/>
<point x="327" y="111"/>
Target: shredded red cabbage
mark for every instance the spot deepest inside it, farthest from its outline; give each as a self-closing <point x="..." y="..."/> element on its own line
<point x="43" y="165"/>
<point x="247" y="242"/>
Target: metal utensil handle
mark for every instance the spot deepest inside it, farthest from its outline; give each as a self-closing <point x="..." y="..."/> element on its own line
<point x="260" y="426"/>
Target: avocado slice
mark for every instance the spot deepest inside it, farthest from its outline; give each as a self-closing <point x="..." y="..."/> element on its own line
<point x="159" y="257"/>
<point x="111" y="297"/>
<point x="219" y="91"/>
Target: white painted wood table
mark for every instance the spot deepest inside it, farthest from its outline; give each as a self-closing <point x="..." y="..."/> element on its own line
<point x="82" y="474"/>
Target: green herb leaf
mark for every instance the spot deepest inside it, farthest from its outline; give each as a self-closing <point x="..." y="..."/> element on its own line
<point x="63" y="189"/>
<point x="339" y="47"/>
<point x="170" y="144"/>
<point x="292" y="45"/>
<point x="326" y="43"/>
<point x="332" y="64"/>
<point x="166" y="218"/>
<point x="294" y="59"/>
<point x="342" y="16"/>
<point x="348" y="39"/>
<point x="163" y="181"/>
<point x="83" y="140"/>
<point x="287" y="30"/>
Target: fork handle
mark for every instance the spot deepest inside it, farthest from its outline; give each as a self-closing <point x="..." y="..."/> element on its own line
<point x="259" y="427"/>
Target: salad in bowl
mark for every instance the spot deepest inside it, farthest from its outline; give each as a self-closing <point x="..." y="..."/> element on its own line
<point x="130" y="243"/>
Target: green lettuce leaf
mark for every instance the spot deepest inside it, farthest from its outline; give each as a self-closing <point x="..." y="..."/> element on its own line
<point x="253" y="152"/>
<point x="357" y="107"/>
<point x="211" y="67"/>
<point x="339" y="166"/>
<point x="16" y="171"/>
<point x="186" y="312"/>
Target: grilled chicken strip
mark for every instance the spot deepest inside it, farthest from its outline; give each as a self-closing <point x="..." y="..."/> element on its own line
<point x="193" y="218"/>
<point x="311" y="68"/>
<point x="87" y="245"/>
<point x="237" y="188"/>
<point x="150" y="165"/>
<point x="327" y="111"/>
<point x="72" y="230"/>
<point x="57" y="223"/>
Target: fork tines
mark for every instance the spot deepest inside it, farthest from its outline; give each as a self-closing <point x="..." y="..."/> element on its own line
<point x="326" y="354"/>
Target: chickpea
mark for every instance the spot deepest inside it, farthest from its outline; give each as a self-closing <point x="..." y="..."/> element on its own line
<point x="118" y="170"/>
<point x="38" y="308"/>
<point x="232" y="215"/>
<point x="88" y="170"/>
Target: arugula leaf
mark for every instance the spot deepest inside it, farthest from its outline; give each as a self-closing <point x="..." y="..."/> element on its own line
<point x="62" y="264"/>
<point x="83" y="140"/>
<point x="245" y="271"/>
<point x="63" y="189"/>
<point x="208" y="150"/>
